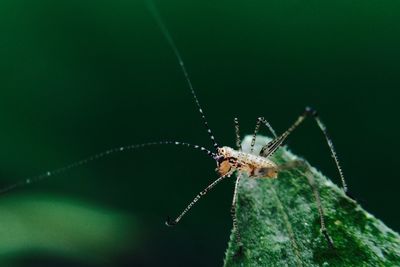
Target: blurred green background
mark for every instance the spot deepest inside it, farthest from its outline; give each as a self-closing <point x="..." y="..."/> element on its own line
<point x="80" y="77"/>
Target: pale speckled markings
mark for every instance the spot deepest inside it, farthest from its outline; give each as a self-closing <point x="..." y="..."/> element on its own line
<point x="252" y="165"/>
<point x="95" y="157"/>
<point x="228" y="160"/>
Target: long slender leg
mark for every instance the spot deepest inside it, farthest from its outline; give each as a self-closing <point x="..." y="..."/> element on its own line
<point x="233" y="212"/>
<point x="272" y="146"/>
<point x="253" y="140"/>
<point x="257" y="128"/>
<point x="268" y="125"/>
<point x="237" y="132"/>
<point x="321" y="125"/>
<point x="304" y="165"/>
<point x="170" y="222"/>
<point x="324" y="231"/>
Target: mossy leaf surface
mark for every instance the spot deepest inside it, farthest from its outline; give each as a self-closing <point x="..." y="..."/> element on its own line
<point x="280" y="226"/>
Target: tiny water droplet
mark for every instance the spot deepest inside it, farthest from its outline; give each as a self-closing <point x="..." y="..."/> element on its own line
<point x="48" y="173"/>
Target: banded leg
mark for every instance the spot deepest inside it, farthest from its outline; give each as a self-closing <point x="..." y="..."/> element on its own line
<point x="170" y="222"/>
<point x="233" y="212"/>
<point x="257" y="128"/>
<point x="237" y="132"/>
<point x="323" y="229"/>
<point x="272" y="146"/>
<point x="268" y="125"/>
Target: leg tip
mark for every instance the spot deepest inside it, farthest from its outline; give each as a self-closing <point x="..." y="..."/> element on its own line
<point x="328" y="239"/>
<point x="240" y="252"/>
<point x="170" y="222"/>
<point x="350" y="195"/>
<point x="310" y="111"/>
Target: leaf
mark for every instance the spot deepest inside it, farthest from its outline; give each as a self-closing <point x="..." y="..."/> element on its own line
<point x="64" y="227"/>
<point x="280" y="226"/>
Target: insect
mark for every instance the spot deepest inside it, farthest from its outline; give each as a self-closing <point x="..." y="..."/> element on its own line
<point x="229" y="161"/>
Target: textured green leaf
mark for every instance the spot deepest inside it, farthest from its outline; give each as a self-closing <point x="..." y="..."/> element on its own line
<point x="280" y="226"/>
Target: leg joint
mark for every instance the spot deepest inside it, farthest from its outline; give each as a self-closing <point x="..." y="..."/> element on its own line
<point x="233" y="211"/>
<point x="309" y="111"/>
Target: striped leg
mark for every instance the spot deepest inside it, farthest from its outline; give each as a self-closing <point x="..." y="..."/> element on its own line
<point x="272" y="146"/>
<point x="303" y="165"/>
<point x="237" y="132"/>
<point x="323" y="229"/>
<point x="170" y="222"/>
<point x="257" y="128"/>
<point x="233" y="213"/>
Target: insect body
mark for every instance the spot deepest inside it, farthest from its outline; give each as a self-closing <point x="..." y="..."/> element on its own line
<point x="252" y="165"/>
<point x="228" y="160"/>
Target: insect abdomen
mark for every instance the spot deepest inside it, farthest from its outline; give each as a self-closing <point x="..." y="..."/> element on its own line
<point x="256" y="166"/>
<point x="265" y="173"/>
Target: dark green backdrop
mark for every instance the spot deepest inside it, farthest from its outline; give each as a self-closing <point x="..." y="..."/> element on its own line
<point x="79" y="77"/>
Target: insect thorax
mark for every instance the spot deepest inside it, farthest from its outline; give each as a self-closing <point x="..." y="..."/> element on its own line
<point x="252" y="165"/>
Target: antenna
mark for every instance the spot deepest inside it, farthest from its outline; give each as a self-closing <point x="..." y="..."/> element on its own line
<point x="44" y="175"/>
<point x="168" y="37"/>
